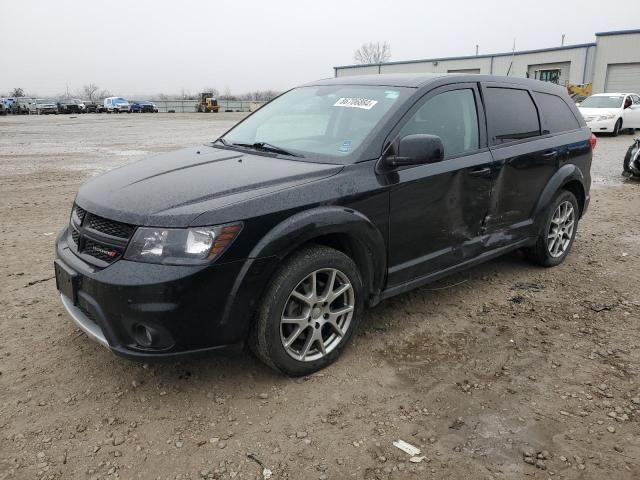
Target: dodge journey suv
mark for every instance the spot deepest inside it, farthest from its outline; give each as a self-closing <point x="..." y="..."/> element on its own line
<point x="332" y="197"/>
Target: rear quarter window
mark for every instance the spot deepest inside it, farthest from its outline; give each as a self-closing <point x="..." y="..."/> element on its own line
<point x="511" y="114"/>
<point x="556" y="115"/>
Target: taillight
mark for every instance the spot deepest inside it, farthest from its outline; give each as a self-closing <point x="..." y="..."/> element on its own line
<point x="593" y="141"/>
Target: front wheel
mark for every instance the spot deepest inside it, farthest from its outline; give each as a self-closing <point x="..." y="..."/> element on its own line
<point x="616" y="128"/>
<point x="556" y="238"/>
<point x="309" y="312"/>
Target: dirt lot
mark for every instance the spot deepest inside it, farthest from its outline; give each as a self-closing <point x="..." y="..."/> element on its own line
<point x="474" y="370"/>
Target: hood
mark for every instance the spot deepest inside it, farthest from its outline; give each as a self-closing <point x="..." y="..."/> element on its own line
<point x="594" y="112"/>
<point x="172" y="189"/>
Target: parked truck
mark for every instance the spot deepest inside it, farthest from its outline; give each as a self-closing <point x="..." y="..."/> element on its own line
<point x="116" y="105"/>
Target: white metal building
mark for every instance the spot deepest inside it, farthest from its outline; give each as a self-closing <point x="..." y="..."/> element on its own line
<point x="611" y="63"/>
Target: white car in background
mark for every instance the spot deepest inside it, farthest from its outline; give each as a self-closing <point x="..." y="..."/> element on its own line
<point x="611" y="112"/>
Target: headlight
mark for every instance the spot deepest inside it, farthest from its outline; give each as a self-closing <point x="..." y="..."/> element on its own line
<point x="608" y="116"/>
<point x="181" y="246"/>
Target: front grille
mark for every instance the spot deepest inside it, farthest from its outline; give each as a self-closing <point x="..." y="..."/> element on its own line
<point x="110" y="227"/>
<point x="101" y="252"/>
<point x="79" y="212"/>
<point x="98" y="238"/>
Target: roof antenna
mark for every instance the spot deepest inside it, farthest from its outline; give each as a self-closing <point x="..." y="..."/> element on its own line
<point x="562" y="43"/>
<point x="477" y="46"/>
<point x="513" y="53"/>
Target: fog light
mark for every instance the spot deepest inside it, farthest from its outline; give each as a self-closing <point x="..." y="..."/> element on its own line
<point x="143" y="335"/>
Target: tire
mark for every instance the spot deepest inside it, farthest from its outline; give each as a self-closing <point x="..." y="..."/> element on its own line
<point x="545" y="252"/>
<point x="630" y="163"/>
<point x="616" y="128"/>
<point x="312" y="322"/>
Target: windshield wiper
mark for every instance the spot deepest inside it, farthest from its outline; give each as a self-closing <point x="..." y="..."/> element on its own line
<point x="263" y="146"/>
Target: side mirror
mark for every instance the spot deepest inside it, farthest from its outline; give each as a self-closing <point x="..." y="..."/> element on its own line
<point x="418" y="149"/>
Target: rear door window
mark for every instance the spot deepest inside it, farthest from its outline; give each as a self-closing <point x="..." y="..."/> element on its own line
<point x="556" y="115"/>
<point x="511" y="115"/>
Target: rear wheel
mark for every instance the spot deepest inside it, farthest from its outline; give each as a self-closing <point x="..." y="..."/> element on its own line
<point x="309" y="312"/>
<point x="556" y="238"/>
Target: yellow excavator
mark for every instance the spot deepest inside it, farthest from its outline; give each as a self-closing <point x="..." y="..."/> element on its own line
<point x="579" y="92"/>
<point x="208" y="103"/>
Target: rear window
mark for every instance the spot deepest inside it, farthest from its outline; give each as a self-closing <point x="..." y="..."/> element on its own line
<point x="512" y="115"/>
<point x="557" y="116"/>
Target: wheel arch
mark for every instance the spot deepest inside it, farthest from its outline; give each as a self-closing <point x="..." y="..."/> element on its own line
<point x="568" y="177"/>
<point x="574" y="186"/>
<point x="344" y="229"/>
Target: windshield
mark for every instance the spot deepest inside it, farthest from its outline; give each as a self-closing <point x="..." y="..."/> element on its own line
<point x="327" y="121"/>
<point x="120" y="100"/>
<point x="614" y="101"/>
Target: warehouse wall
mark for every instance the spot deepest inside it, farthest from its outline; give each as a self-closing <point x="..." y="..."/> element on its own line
<point x="363" y="70"/>
<point x="575" y="57"/>
<point x="439" y="66"/>
<point x="613" y="49"/>
<point x="577" y="64"/>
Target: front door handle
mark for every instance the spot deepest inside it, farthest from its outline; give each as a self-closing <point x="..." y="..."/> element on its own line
<point x="479" y="171"/>
<point x="550" y="155"/>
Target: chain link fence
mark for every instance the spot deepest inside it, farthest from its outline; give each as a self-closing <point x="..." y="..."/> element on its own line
<point x="190" y="106"/>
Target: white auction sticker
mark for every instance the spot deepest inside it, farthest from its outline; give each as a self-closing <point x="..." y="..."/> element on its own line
<point x="364" y="103"/>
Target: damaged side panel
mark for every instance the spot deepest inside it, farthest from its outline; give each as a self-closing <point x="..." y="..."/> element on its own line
<point x="524" y="174"/>
<point x="436" y="215"/>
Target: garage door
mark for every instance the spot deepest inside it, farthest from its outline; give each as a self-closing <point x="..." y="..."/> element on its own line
<point x="623" y="77"/>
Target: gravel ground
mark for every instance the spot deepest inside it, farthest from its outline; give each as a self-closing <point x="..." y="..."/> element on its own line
<point x="506" y="371"/>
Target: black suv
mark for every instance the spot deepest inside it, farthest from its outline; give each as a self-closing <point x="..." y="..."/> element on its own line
<point x="332" y="197"/>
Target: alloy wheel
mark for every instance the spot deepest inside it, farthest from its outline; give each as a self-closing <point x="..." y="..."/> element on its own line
<point x="561" y="229"/>
<point x="317" y="315"/>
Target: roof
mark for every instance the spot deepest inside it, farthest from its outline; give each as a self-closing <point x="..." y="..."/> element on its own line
<point x="471" y="57"/>
<point x="415" y="80"/>
<point x="617" y="32"/>
<point x="385" y="79"/>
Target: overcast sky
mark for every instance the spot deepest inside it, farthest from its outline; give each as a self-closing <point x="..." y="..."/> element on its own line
<point x="138" y="47"/>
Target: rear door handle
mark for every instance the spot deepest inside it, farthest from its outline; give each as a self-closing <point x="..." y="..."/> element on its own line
<point x="480" y="171"/>
<point x="550" y="155"/>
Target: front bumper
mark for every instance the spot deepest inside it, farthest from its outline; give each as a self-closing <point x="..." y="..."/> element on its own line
<point x="86" y="324"/>
<point x="189" y="309"/>
<point x="602" y="126"/>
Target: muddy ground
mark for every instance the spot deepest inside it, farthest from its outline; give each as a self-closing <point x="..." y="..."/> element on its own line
<point x="475" y="370"/>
